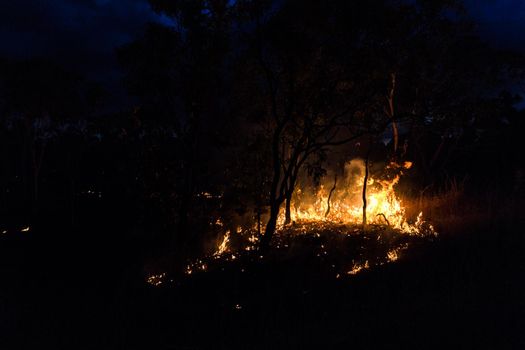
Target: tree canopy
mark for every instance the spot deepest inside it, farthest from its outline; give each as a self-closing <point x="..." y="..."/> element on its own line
<point x="304" y="77"/>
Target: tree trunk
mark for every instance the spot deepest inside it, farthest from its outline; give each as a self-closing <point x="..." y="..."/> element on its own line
<point x="395" y="132"/>
<point x="270" y="226"/>
<point x="289" y="193"/>
<point x="288" y="210"/>
<point x="37" y="160"/>
<point x="275" y="195"/>
<point x="72" y="203"/>
<point x="364" y="190"/>
<point x="437" y="153"/>
<point x="258" y="221"/>
<point x="329" y="197"/>
<point x="36" y="176"/>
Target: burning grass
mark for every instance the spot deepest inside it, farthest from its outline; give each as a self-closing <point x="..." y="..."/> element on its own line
<point x="342" y="201"/>
<point x="326" y="225"/>
<point x="338" y="250"/>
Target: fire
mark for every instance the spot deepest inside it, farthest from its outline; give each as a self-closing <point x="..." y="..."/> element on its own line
<point x="156" y="279"/>
<point x="334" y="208"/>
<point x="393" y="255"/>
<point x="223" y="246"/>
<point x="358" y="267"/>
<point x="341" y="201"/>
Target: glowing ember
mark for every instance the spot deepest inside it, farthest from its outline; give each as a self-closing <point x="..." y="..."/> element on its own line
<point x="156" y="280"/>
<point x="327" y="219"/>
<point x="358" y="268"/>
<point x="392" y="255"/>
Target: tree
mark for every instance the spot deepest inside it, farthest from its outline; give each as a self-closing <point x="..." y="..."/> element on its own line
<point x="179" y="74"/>
<point x="323" y="85"/>
<point x="306" y="76"/>
<point x="39" y="99"/>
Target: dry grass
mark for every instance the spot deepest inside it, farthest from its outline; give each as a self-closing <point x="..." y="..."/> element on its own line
<point x="454" y="209"/>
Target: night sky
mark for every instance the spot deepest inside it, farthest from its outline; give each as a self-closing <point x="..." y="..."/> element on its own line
<point x="83" y="34"/>
<point x="502" y="22"/>
<point x="80" y="34"/>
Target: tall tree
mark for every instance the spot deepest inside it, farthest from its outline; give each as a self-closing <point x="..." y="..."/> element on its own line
<point x="40" y="98"/>
<point x="179" y="74"/>
<point x="314" y="65"/>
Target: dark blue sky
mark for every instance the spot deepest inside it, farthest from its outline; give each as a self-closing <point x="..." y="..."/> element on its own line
<point x="502" y="22"/>
<point x="81" y="34"/>
<point x="84" y="33"/>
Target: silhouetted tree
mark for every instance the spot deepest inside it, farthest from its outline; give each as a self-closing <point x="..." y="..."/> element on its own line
<point x="306" y="77"/>
<point x="179" y="74"/>
<point x="39" y="100"/>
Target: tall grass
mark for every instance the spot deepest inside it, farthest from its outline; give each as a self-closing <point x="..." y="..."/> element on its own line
<point x="458" y="207"/>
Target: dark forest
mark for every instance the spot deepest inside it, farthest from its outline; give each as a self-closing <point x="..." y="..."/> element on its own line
<point x="268" y="174"/>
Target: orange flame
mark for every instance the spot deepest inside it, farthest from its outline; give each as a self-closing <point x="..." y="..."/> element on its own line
<point x="383" y="204"/>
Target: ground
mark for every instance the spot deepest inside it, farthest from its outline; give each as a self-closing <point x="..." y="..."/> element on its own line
<point x="460" y="291"/>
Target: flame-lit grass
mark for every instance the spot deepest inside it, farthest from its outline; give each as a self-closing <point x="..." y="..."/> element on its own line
<point x="223" y="246"/>
<point x="335" y="237"/>
<point x="384" y="207"/>
<point x="340" y="250"/>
